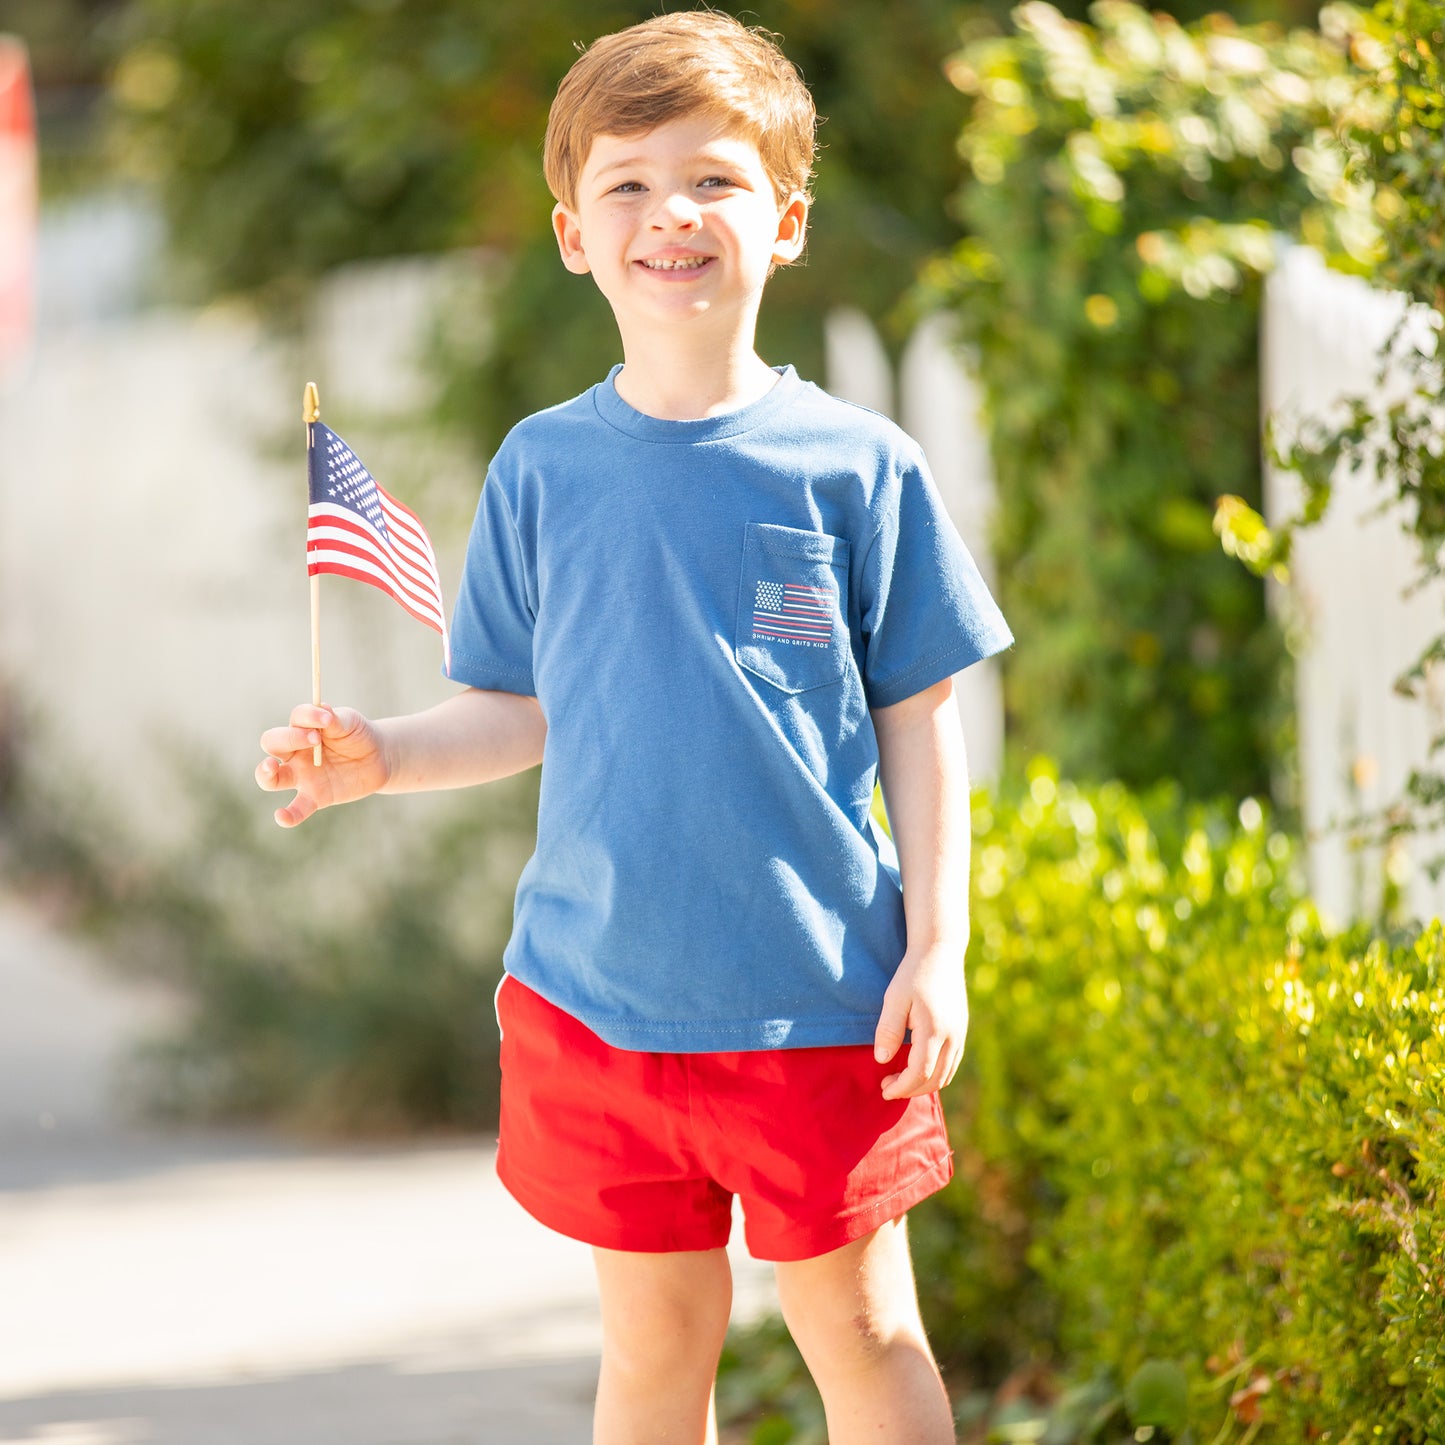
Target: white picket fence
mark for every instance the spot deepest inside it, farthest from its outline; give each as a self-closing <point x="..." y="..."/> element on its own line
<point x="935" y="399"/>
<point x="1358" y="621"/>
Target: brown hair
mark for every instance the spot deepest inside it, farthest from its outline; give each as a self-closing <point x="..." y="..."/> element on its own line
<point x="689" y="63"/>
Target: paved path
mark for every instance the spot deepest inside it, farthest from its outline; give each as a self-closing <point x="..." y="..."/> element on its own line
<point x="207" y="1287"/>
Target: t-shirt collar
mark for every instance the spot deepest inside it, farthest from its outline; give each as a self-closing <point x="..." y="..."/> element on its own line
<point x="616" y="412"/>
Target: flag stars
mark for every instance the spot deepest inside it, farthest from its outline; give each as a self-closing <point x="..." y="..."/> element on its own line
<point x="352" y="486"/>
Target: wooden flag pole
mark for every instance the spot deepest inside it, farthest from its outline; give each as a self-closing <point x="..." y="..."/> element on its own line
<point x="311" y="413"/>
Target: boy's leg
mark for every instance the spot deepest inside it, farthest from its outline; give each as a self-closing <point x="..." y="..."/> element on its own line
<point x="854" y="1315"/>
<point x="664" y="1317"/>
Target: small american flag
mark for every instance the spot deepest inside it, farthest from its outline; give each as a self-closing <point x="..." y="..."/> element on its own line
<point x="794" y="613"/>
<point x="357" y="530"/>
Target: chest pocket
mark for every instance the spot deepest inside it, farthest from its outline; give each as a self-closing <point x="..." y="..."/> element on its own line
<point x="792" y="627"/>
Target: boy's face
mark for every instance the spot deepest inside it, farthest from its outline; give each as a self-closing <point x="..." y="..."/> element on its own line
<point x="677" y="226"/>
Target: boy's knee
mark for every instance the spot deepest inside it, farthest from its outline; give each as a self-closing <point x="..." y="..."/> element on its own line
<point x="663" y="1319"/>
<point x="872" y="1332"/>
<point x="852" y="1340"/>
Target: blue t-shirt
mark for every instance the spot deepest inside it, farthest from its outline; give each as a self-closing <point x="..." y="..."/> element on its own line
<point x="706" y="611"/>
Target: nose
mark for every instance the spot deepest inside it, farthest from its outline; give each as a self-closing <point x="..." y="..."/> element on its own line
<point x="676" y="211"/>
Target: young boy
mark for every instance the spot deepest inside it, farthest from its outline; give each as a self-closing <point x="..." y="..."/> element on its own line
<point x="715" y="604"/>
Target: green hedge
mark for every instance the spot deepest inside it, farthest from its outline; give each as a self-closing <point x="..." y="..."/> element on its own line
<point x="1192" y="1129"/>
<point x="1122" y="183"/>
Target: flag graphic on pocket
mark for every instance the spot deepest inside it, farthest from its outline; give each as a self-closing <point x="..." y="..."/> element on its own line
<point x="791" y="612"/>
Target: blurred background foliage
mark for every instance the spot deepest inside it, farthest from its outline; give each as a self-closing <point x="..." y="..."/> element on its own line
<point x="70" y="54"/>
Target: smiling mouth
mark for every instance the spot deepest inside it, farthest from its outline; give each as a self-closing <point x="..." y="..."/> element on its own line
<point x="679" y="263"/>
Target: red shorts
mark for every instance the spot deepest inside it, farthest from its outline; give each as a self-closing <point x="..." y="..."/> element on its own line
<point x="644" y="1152"/>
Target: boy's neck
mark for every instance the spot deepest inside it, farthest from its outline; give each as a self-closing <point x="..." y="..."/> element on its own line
<point x="690" y="383"/>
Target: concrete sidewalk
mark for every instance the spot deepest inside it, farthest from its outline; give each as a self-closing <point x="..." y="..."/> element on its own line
<point x="207" y="1287"/>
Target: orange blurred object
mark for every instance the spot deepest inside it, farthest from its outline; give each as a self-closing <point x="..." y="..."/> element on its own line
<point x="18" y="205"/>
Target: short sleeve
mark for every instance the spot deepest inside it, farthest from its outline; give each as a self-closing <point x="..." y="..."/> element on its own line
<point x="497" y="604"/>
<point x="925" y="611"/>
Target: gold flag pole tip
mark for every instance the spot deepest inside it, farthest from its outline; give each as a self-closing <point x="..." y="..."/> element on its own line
<point x="311" y="404"/>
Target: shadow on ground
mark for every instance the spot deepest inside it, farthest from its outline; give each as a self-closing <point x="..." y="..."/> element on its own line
<point x="370" y="1403"/>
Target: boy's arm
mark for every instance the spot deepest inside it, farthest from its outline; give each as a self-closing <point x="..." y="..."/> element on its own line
<point x="924" y="772"/>
<point x="474" y="737"/>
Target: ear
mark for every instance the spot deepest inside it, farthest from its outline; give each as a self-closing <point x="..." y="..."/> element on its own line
<point x="569" y="239"/>
<point x="792" y="230"/>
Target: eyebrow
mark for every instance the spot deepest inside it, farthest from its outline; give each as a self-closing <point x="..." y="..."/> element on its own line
<point x="705" y="158"/>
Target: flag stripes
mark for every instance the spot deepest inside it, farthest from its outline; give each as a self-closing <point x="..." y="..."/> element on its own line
<point x="356" y="529"/>
<point x="333" y="536"/>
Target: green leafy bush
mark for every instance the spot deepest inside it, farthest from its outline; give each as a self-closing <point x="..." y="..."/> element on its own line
<point x="1123" y="184"/>
<point x="1083" y="899"/>
<point x="1191" y="1129"/>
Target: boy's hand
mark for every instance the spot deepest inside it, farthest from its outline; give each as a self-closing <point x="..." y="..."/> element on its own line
<point x="928" y="996"/>
<point x="353" y="763"/>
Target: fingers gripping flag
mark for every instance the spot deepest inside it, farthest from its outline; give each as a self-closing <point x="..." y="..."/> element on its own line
<point x="357" y="530"/>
